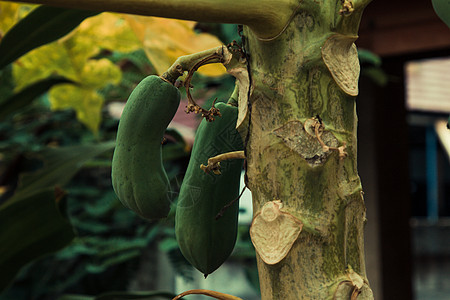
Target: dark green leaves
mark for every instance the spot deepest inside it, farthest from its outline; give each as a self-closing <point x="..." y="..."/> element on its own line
<point x="43" y="25"/>
<point x="31" y="224"/>
<point x="27" y="95"/>
<point x="371" y="67"/>
<point x="61" y="164"/>
<point x="37" y="214"/>
<point x="366" y="56"/>
<point x="121" y="296"/>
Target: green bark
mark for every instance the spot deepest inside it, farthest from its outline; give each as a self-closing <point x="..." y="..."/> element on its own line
<point x="292" y="84"/>
<point x="302" y="65"/>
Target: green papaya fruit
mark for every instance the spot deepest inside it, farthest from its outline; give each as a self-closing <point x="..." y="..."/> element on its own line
<point x="138" y="175"/>
<point x="206" y="242"/>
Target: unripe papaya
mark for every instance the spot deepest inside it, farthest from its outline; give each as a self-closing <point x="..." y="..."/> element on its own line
<point x="206" y="242"/>
<point x="138" y="175"/>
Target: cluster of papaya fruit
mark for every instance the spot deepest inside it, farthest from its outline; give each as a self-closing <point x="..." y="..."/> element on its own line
<point x="142" y="185"/>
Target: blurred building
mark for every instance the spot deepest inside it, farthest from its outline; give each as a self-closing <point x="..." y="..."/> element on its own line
<point x="404" y="151"/>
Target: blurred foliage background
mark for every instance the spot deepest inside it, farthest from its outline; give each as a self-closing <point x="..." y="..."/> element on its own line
<point x="63" y="230"/>
<point x="64" y="78"/>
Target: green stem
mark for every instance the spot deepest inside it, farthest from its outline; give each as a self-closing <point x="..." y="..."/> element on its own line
<point x="266" y="18"/>
<point x="191" y="63"/>
<point x="187" y="62"/>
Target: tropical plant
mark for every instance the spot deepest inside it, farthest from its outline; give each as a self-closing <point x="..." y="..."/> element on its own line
<point x="296" y="72"/>
<point x="42" y="151"/>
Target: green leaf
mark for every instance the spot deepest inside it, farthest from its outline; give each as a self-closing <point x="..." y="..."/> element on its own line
<point x="31" y="228"/>
<point x="6" y="83"/>
<point x="168" y="244"/>
<point x="366" y="56"/>
<point x="27" y="95"/>
<point x="43" y="25"/>
<point x="103" y="265"/>
<point x="76" y="297"/>
<point x="376" y="74"/>
<point x="442" y="9"/>
<point x="60" y="165"/>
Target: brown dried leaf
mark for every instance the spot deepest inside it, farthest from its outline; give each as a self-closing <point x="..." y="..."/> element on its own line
<point x="353" y="287"/>
<point x="243" y="82"/>
<point x="273" y="232"/>
<point x="341" y="58"/>
<point x="355" y="278"/>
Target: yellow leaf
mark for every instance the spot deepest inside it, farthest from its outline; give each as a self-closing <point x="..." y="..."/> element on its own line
<point x="97" y="73"/>
<point x="71" y="57"/>
<point x="86" y="102"/>
<point x="11" y="13"/>
<point x="109" y="31"/>
<point x="165" y="40"/>
<point x="8" y="11"/>
<point x="42" y="62"/>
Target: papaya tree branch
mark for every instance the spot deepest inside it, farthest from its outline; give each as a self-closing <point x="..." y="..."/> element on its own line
<point x="266" y="18"/>
<point x="212" y="294"/>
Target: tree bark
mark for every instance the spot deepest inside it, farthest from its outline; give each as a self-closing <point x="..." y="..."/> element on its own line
<point x="292" y="83"/>
<point x="297" y="117"/>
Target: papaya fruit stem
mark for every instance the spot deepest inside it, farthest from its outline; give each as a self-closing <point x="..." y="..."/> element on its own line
<point x="186" y="62"/>
<point x="214" y="162"/>
<point x="212" y="294"/>
<point x="191" y="63"/>
<point x="192" y="106"/>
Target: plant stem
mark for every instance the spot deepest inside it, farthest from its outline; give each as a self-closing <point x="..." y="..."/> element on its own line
<point x="214" y="162"/>
<point x="191" y="63"/>
<point x="265" y="17"/>
<point x="212" y="294"/>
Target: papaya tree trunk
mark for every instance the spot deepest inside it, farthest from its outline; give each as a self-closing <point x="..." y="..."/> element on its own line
<point x="306" y="78"/>
<point x="298" y="120"/>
